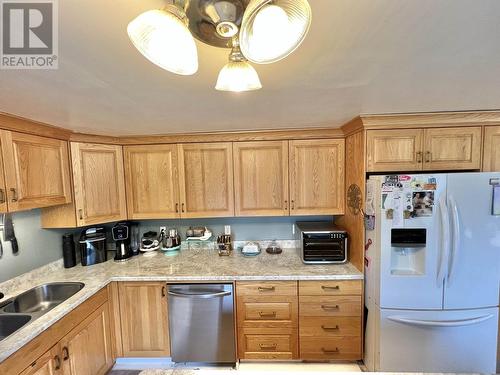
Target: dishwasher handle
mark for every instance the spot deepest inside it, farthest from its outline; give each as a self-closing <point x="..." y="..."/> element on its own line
<point x="200" y="295"/>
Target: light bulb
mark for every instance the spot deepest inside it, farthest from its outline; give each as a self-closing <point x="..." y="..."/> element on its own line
<point x="238" y="76"/>
<point x="270" y="32"/>
<point x="163" y="38"/>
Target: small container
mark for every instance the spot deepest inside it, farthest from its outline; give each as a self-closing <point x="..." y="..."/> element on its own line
<point x="273" y="248"/>
<point x="69" y="253"/>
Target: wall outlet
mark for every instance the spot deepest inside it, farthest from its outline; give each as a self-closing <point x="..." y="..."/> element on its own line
<point x="227" y="230"/>
<point x="164" y="229"/>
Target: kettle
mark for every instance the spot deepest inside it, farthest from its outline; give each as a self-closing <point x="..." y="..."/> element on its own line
<point x="172" y="240"/>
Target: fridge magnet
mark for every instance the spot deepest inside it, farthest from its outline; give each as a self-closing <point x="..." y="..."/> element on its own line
<point x="389" y="214"/>
<point x="423" y="202"/>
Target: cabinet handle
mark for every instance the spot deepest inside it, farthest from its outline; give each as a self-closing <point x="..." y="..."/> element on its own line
<point x="177" y="208"/>
<point x="419" y="157"/>
<point x="324" y="287"/>
<point x="163" y="291"/>
<point x="65" y="353"/>
<point x="267" y="315"/>
<point x="286" y="204"/>
<point x="266" y="288"/>
<point x="14" y="194"/>
<point x="268" y="347"/>
<point x="57" y="361"/>
<point x="327" y="351"/>
<point x="326" y="328"/>
<point x="80" y="214"/>
<point x="2" y="196"/>
<point x="293" y="204"/>
<point x="428" y="157"/>
<point x="182" y="207"/>
<point x="330" y="307"/>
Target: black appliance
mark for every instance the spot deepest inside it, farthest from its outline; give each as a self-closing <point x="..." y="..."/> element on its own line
<point x="121" y="235"/>
<point x="321" y="242"/>
<point x="68" y="248"/>
<point x="93" y="246"/>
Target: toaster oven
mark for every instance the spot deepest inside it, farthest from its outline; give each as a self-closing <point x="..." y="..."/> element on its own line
<point x="321" y="242"/>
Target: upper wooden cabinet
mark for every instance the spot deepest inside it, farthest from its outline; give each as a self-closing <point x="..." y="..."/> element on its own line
<point x="261" y="178"/>
<point x="98" y="178"/>
<point x="434" y="149"/>
<point x="206" y="179"/>
<point x="36" y="171"/>
<point x="394" y="150"/>
<point x="452" y="148"/>
<point x="317" y="177"/>
<point x="491" y="158"/>
<point x="152" y="182"/>
<point x="144" y="319"/>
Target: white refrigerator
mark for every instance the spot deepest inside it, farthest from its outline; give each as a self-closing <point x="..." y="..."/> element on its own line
<point x="432" y="273"/>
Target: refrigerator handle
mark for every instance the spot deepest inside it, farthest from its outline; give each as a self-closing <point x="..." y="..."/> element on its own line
<point x="444" y="242"/>
<point x="455" y="237"/>
<point x="441" y="323"/>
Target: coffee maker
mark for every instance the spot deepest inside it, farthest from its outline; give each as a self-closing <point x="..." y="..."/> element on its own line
<point x="121" y="235"/>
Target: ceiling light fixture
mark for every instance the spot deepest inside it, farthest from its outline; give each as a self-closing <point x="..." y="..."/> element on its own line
<point x="237" y="75"/>
<point x="268" y="31"/>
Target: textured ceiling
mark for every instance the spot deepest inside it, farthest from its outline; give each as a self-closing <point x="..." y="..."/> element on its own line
<point x="363" y="56"/>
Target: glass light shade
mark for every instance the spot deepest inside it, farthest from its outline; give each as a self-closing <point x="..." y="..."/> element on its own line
<point x="163" y="38"/>
<point x="270" y="32"/>
<point x="238" y="76"/>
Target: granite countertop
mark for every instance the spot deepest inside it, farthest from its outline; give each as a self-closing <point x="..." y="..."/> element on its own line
<point x="194" y="264"/>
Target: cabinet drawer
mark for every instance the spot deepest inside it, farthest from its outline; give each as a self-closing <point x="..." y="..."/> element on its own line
<point x="267" y="288"/>
<point x="330" y="326"/>
<point x="330" y="306"/>
<point x="257" y="343"/>
<point x="330" y="288"/>
<point x="316" y="348"/>
<point x="267" y="311"/>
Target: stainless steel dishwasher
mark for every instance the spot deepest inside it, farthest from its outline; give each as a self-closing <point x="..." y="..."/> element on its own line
<point x="201" y="320"/>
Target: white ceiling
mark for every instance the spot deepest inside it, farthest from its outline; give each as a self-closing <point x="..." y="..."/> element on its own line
<point x="362" y="56"/>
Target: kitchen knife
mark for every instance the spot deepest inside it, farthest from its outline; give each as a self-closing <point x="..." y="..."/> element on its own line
<point x="8" y="233"/>
<point x="1" y="228"/>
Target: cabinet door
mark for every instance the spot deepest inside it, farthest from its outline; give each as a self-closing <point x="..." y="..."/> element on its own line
<point x="99" y="183"/>
<point x="491" y="158"/>
<point x="143" y="311"/>
<point x="86" y="350"/>
<point x="261" y="178"/>
<point x="317" y="177"/>
<point x="3" y="190"/>
<point x="452" y="148"/>
<point x="152" y="181"/>
<point x="206" y="179"/>
<point x="394" y="150"/>
<point x="48" y="364"/>
<point x="36" y="171"/>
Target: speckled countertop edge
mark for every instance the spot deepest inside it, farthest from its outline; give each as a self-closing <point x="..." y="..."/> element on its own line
<point x="188" y="265"/>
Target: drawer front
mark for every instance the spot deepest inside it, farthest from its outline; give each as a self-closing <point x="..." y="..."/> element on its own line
<point x="270" y="343"/>
<point x="318" y="348"/>
<point x="331" y="288"/>
<point x="266" y="288"/>
<point x="267" y="311"/>
<point x="330" y="327"/>
<point x="330" y="306"/>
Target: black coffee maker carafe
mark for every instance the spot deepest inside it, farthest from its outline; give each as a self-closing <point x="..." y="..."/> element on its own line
<point x="121" y="235"/>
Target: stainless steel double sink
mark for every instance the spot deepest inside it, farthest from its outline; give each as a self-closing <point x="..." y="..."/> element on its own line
<point x="30" y="305"/>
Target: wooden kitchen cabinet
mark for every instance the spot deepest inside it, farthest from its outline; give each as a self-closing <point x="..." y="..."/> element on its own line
<point x="48" y="364"/>
<point x="206" y="179"/>
<point x="87" y="349"/>
<point x="452" y="148"/>
<point x="99" y="183"/>
<point x="261" y="178"/>
<point x="394" y="150"/>
<point x="491" y="155"/>
<point x="36" y="171"/>
<point x="151" y="175"/>
<point x="143" y="311"/>
<point x="317" y="177"/>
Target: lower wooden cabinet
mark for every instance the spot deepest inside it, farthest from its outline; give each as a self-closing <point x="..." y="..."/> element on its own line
<point x="144" y="319"/>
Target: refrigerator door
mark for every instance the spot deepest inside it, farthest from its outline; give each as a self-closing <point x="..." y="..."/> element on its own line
<point x="439" y="341"/>
<point x="410" y="276"/>
<point x="474" y="263"/>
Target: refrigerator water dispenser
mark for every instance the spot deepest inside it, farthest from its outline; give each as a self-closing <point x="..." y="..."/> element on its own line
<point x="408" y="251"/>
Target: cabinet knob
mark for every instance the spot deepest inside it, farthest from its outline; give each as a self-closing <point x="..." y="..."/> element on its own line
<point x="327" y="351"/>
<point x="80" y="214"/>
<point x="419" y="157"/>
<point x="177" y="208"/>
<point x="65" y="353"/>
<point x="266" y="288"/>
<point x="57" y="361"/>
<point x="428" y="155"/>
<point x="268" y="346"/>
<point x="2" y="196"/>
<point x="267" y="315"/>
<point x="330" y="307"/>
<point x="326" y="287"/>
<point x="293" y="204"/>
<point x="286" y="204"/>
<point x="327" y="328"/>
<point x="163" y="291"/>
<point x="14" y="194"/>
<point x="182" y="207"/>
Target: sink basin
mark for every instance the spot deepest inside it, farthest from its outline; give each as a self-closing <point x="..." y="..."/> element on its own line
<point x="11" y="323"/>
<point x="42" y="298"/>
